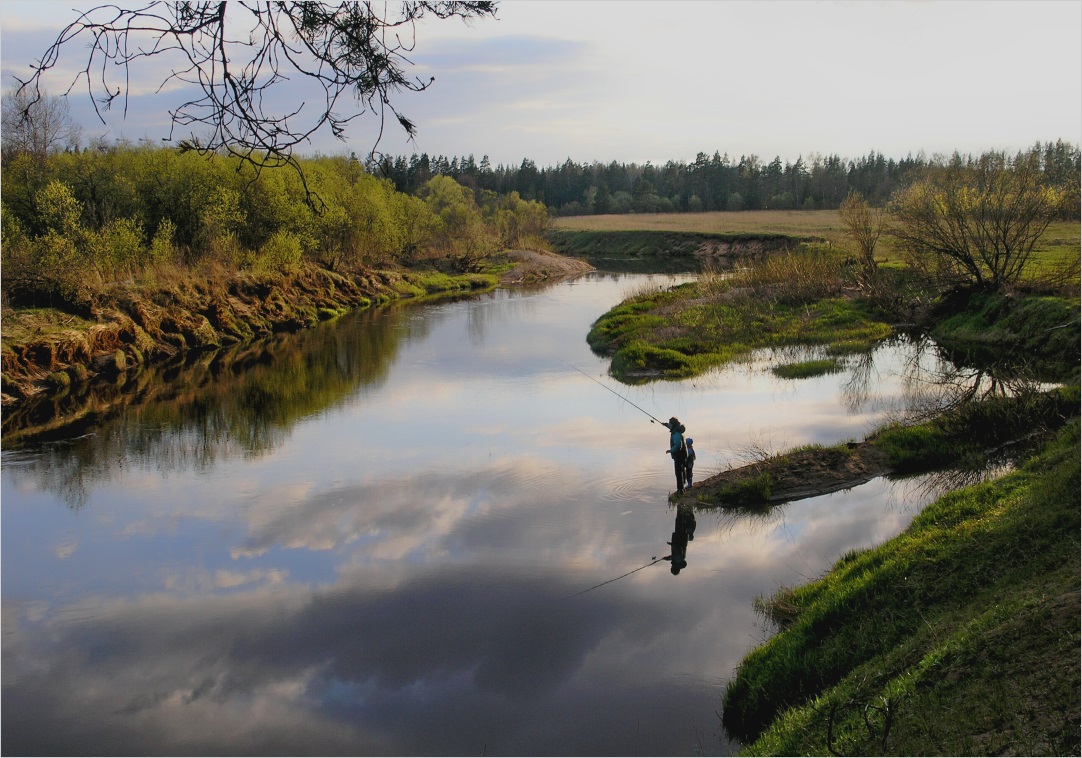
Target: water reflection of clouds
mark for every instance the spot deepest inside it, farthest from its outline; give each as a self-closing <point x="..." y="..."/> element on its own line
<point x="408" y="568"/>
<point x="481" y="644"/>
<point x="497" y="635"/>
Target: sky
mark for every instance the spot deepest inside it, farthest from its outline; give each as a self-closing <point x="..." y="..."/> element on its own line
<point x="636" y="81"/>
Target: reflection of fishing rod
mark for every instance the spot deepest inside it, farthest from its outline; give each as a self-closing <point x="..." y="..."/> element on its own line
<point x="610" y="389"/>
<point x="629" y="573"/>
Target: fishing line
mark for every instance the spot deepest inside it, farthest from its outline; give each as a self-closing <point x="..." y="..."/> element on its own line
<point x="610" y="389"/>
<point x="610" y="581"/>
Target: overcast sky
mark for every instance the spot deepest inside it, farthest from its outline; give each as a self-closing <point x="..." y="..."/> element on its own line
<point x="657" y="81"/>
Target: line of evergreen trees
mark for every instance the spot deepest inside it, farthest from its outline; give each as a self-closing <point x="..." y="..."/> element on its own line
<point x="710" y="183"/>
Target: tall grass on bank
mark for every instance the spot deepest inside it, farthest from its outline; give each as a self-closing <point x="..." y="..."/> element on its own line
<point x="794" y="277"/>
<point x="966" y="433"/>
<point x="960" y="636"/>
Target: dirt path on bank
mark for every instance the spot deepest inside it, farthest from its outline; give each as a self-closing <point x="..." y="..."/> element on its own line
<point x="535" y="266"/>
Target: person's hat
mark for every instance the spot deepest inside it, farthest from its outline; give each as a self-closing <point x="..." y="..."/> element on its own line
<point x="690" y="441"/>
<point x="674" y="420"/>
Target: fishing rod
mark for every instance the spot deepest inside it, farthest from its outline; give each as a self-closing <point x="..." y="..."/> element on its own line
<point x="610" y="389"/>
<point x="629" y="573"/>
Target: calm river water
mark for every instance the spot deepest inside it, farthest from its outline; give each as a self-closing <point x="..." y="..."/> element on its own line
<point x="394" y="534"/>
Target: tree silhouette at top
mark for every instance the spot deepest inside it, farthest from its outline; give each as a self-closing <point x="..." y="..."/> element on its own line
<point x="241" y="56"/>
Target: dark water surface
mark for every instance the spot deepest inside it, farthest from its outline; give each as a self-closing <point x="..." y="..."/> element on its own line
<point x="379" y="537"/>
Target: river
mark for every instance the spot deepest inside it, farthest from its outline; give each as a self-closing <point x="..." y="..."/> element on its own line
<point x="413" y="531"/>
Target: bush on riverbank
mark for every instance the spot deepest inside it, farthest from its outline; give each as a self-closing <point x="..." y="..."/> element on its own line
<point x="960" y="636"/>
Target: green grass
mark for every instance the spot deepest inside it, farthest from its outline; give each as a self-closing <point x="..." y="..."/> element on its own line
<point x="421" y="283"/>
<point x="808" y="369"/>
<point x="959" y="636"/>
<point x="962" y="435"/>
<point x="1039" y="330"/>
<point x="689" y="329"/>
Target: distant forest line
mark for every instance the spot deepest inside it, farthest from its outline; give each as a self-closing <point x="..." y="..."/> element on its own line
<point x="711" y="183"/>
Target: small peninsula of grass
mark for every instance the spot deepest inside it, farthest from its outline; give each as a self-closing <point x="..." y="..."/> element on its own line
<point x="790" y="299"/>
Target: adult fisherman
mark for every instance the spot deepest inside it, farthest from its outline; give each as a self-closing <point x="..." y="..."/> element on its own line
<point x="678" y="450"/>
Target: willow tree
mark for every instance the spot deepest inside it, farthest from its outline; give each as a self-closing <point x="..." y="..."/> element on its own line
<point x="261" y="78"/>
<point x="976" y="221"/>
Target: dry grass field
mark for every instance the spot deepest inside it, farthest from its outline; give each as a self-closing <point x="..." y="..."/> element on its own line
<point x="1061" y="242"/>
<point x="826" y="224"/>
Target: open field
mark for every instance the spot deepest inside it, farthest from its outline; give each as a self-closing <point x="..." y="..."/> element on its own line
<point x="1060" y="243"/>
<point x="827" y="224"/>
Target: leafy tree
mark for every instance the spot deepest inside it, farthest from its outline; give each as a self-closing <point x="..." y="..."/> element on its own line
<point x="464" y="239"/>
<point x="240" y="56"/>
<point x="515" y="222"/>
<point x="976" y="221"/>
<point x="620" y="202"/>
<point x="416" y="225"/>
<point x="646" y="199"/>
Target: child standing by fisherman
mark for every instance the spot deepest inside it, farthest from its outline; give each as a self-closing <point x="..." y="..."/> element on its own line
<point x="690" y="463"/>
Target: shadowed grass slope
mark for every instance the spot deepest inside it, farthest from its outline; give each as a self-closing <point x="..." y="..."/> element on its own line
<point x="959" y="636"/>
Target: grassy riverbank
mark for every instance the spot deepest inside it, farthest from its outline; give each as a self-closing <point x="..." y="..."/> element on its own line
<point x="47" y="350"/>
<point x="958" y="637"/>
<point x="128" y="325"/>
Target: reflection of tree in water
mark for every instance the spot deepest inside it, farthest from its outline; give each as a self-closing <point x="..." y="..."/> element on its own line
<point x="934" y="381"/>
<point x="511" y="302"/>
<point x="213" y="406"/>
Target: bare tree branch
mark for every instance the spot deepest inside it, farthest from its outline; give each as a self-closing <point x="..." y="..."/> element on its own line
<point x="241" y="56"/>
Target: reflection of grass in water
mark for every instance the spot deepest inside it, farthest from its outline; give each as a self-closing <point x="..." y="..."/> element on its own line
<point x="964" y="434"/>
<point x="212" y="406"/>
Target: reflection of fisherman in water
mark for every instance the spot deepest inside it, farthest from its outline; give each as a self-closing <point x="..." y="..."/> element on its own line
<point x="684" y="532"/>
